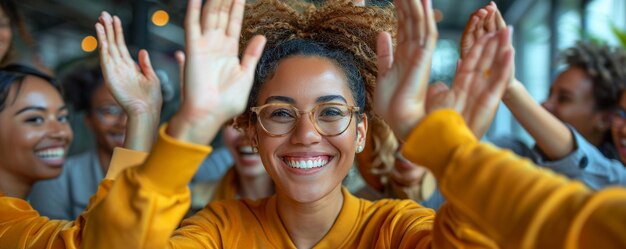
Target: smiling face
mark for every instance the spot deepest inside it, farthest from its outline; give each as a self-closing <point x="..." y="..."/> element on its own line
<point x="304" y="164"/>
<point x="247" y="162"/>
<point x="107" y="120"/>
<point x="34" y="134"/>
<point x="572" y="101"/>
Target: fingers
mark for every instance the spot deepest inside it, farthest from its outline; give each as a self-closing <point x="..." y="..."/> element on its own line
<point x="236" y="18"/>
<point x="252" y="54"/>
<point x="210" y="14"/>
<point x="146" y="65"/>
<point x="107" y="22"/>
<point x="404" y="24"/>
<point x="104" y="45"/>
<point x="437" y="88"/>
<point x="490" y="19"/>
<point x="480" y="32"/>
<point x="119" y="39"/>
<point x="499" y="20"/>
<point x="192" y="19"/>
<point x="488" y="56"/>
<point x="471" y="61"/>
<point x="180" y="58"/>
<point x="384" y="53"/>
<point x="431" y="25"/>
<point x="224" y="14"/>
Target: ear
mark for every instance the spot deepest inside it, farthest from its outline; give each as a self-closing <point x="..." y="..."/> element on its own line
<point x="361" y="133"/>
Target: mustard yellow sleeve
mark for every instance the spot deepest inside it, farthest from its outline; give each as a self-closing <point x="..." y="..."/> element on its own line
<point x="22" y="227"/>
<point x="122" y="159"/>
<point x="496" y="199"/>
<point x="147" y="202"/>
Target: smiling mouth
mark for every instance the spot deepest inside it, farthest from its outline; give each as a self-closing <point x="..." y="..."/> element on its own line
<point x="117" y="138"/>
<point x="52" y="155"/>
<point x="306" y="163"/>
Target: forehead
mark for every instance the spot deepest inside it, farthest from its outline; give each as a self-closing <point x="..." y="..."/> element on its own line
<point x="574" y="80"/>
<point x="33" y="91"/>
<point x="305" y="78"/>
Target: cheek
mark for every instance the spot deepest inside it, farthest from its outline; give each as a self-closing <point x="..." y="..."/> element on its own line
<point x="25" y="137"/>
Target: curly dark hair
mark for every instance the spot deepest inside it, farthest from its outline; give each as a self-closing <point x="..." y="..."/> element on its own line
<point x="337" y="30"/>
<point x="605" y="65"/>
<point x="80" y="85"/>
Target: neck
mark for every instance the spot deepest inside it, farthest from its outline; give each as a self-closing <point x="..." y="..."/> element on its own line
<point x="255" y="187"/>
<point x="104" y="157"/>
<point x="308" y="223"/>
<point x="14" y="186"/>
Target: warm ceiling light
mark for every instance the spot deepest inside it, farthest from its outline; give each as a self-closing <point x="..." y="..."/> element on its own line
<point x="89" y="43"/>
<point x="160" y="18"/>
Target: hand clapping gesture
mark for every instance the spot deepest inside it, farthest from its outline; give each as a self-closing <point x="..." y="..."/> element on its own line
<point x="479" y="83"/>
<point x="214" y="76"/>
<point x="403" y="74"/>
<point x="401" y="89"/>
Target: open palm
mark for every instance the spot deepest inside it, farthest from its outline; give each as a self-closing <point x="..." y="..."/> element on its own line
<point x="135" y="87"/>
<point x="217" y="83"/>
<point x="403" y="74"/>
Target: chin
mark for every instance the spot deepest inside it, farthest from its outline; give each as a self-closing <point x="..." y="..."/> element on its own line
<point x="307" y="193"/>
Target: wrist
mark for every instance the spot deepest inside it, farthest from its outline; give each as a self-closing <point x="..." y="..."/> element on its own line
<point x="512" y="91"/>
<point x="193" y="128"/>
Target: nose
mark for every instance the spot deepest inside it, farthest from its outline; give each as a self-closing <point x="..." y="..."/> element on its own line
<point x="305" y="133"/>
<point x="549" y="105"/>
<point x="60" y="130"/>
<point x="122" y="120"/>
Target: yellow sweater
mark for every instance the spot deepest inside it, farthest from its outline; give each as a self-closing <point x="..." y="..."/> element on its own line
<point x="494" y="198"/>
<point x="22" y="227"/>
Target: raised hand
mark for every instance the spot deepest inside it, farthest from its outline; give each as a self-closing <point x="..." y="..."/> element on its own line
<point x="483" y="21"/>
<point x="480" y="82"/>
<point x="217" y="83"/>
<point x="403" y="74"/>
<point x="135" y="87"/>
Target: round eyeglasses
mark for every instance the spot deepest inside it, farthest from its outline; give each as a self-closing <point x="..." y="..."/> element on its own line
<point x="329" y="119"/>
<point x="109" y="114"/>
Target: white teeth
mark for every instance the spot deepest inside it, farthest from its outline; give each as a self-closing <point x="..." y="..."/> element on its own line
<point x="51" y="154"/>
<point x="118" y="137"/>
<point x="306" y="164"/>
<point x="246" y="149"/>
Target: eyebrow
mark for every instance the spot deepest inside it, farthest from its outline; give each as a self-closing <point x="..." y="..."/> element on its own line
<point x="38" y="108"/>
<point x="280" y="99"/>
<point x="329" y="98"/>
<point x="326" y="98"/>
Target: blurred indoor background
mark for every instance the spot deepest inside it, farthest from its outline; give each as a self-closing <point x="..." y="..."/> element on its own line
<point x="64" y="36"/>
